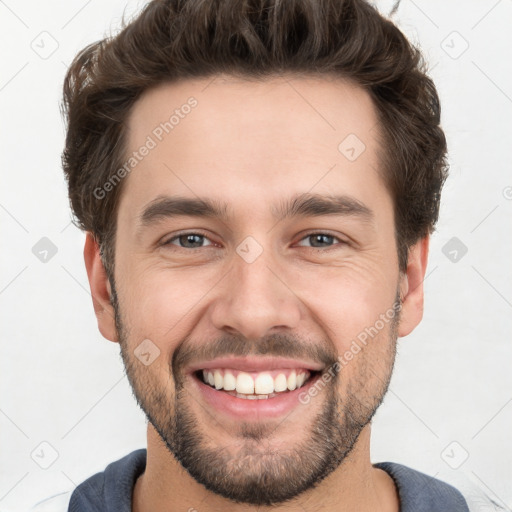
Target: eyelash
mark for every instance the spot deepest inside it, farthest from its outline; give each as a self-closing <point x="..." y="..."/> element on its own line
<point x="316" y="249"/>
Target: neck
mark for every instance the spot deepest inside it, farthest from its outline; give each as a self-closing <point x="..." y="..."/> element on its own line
<point x="354" y="485"/>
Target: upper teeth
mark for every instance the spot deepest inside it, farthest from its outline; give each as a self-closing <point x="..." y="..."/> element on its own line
<point x="262" y="383"/>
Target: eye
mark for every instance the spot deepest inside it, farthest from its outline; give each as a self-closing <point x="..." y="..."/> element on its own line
<point x="188" y="240"/>
<point x="192" y="240"/>
<point x="319" y="240"/>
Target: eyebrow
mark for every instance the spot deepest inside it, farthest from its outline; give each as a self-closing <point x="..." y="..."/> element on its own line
<point x="301" y="205"/>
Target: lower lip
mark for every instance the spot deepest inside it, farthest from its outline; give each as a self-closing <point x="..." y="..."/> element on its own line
<point x="253" y="410"/>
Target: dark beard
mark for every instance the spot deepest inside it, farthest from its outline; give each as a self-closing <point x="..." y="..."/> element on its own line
<point x="256" y="473"/>
<point x="260" y="475"/>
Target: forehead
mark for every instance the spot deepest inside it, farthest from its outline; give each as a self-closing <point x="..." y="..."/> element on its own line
<point x="307" y="107"/>
<point x="237" y="139"/>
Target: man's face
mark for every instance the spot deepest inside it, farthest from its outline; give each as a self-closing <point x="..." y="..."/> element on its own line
<point x="268" y="293"/>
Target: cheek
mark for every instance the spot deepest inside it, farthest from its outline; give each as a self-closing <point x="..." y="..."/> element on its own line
<point x="159" y="303"/>
<point x="349" y="298"/>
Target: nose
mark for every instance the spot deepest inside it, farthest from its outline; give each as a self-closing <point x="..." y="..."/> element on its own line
<point x="255" y="298"/>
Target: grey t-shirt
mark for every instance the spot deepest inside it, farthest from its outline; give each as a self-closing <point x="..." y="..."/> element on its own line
<point x="111" y="490"/>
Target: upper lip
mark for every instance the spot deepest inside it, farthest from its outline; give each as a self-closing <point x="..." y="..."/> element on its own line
<point x="255" y="364"/>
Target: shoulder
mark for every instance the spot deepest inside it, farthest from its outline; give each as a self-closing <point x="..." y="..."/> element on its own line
<point x="111" y="489"/>
<point x="106" y="491"/>
<point x="419" y="492"/>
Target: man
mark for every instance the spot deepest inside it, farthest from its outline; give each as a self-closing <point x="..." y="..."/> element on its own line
<point x="258" y="182"/>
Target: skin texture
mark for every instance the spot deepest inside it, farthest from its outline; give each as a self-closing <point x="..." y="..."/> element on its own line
<point x="253" y="146"/>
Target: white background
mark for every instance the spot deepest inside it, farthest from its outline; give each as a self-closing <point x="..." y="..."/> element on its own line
<point x="63" y="384"/>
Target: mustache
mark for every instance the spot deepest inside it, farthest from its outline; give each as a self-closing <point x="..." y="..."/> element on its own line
<point x="279" y="345"/>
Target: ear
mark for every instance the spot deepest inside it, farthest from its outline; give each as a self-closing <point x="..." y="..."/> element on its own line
<point x="100" y="289"/>
<point x="411" y="287"/>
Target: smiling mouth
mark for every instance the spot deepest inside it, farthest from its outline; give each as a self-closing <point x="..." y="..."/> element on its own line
<point x="256" y="385"/>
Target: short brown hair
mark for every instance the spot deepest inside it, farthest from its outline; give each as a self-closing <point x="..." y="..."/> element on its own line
<point x="179" y="39"/>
